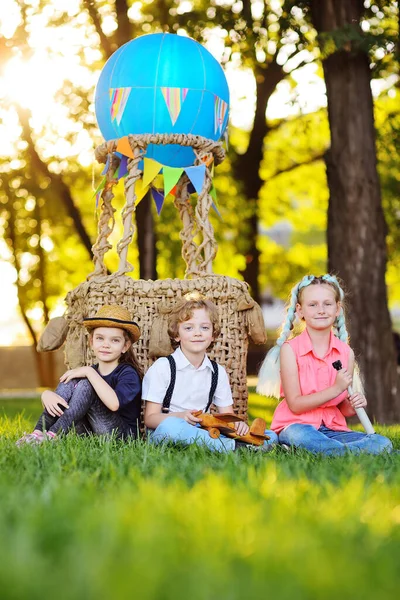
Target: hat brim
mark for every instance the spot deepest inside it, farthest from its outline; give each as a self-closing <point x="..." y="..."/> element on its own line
<point x="130" y="326"/>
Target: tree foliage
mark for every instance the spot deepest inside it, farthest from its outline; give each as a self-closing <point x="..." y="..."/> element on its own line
<point x="273" y="176"/>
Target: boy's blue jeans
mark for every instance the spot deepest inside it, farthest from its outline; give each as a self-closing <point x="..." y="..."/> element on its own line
<point x="332" y="442"/>
<point x="175" y="429"/>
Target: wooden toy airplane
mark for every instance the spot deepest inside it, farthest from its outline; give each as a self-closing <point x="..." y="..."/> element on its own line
<point x="223" y="423"/>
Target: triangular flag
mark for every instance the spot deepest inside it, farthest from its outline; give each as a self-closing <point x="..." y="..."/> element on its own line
<point x="196" y="176"/>
<point x="174" y="99"/>
<point x="220" y="108"/>
<point x="140" y="191"/>
<point x="100" y="187"/>
<point x="158" y="199"/>
<point x="98" y="196"/>
<point x="119" y="98"/>
<point x="123" y="146"/>
<point x="158" y="182"/>
<point x="213" y="194"/>
<point x="226" y="138"/>
<point x="150" y="170"/>
<point x="123" y="166"/>
<point x="214" y="206"/>
<point x="116" y="172"/>
<point x="171" y="178"/>
<point x="207" y="159"/>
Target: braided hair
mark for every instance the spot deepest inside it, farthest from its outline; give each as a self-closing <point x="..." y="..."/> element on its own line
<point x="269" y="375"/>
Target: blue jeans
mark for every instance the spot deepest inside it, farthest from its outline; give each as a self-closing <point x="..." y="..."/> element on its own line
<point x="332" y="442"/>
<point x="175" y="429"/>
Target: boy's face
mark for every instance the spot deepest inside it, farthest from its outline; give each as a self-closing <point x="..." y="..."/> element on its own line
<point x="196" y="334"/>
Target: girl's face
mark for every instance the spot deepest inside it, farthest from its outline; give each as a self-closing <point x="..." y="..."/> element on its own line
<point x="196" y="334"/>
<point x="318" y="306"/>
<point x="109" y="343"/>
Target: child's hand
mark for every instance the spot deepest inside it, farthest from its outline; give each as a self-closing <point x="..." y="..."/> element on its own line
<point x="241" y="428"/>
<point x="51" y="401"/>
<point x="343" y="380"/>
<point x="357" y="400"/>
<point x="189" y="417"/>
<point x="77" y="373"/>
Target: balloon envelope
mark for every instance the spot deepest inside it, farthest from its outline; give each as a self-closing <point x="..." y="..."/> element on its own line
<point x="163" y="83"/>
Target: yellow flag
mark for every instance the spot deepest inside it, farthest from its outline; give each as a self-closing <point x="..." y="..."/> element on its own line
<point x="140" y="191"/>
<point x="151" y="169"/>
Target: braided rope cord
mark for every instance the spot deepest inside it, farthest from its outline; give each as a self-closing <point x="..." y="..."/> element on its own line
<point x="198" y="258"/>
<point x="208" y="246"/>
<point x="107" y="220"/>
<point x="188" y="232"/>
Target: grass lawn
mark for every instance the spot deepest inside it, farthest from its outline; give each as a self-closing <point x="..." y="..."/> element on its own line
<point x="86" y="518"/>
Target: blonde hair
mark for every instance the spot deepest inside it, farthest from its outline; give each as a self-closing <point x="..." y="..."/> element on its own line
<point x="183" y="311"/>
<point x="269" y="375"/>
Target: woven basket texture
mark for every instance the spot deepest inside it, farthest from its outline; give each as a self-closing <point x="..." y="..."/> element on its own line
<point x="148" y="303"/>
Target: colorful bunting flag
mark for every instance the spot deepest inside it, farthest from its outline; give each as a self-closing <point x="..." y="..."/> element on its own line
<point x="140" y="191"/>
<point x="123" y="166"/>
<point x="174" y="99"/>
<point x="171" y="178"/>
<point x="196" y="176"/>
<point x="98" y="196"/>
<point x="158" y="182"/>
<point x="215" y="206"/>
<point x="151" y="169"/>
<point x="124" y="147"/>
<point x="100" y="187"/>
<point x="226" y="138"/>
<point x="119" y="98"/>
<point x="207" y="159"/>
<point x="220" y="108"/>
<point x="158" y="198"/>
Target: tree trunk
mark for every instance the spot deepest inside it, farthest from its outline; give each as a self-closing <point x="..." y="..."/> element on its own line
<point x="247" y="169"/>
<point x="43" y="362"/>
<point x="356" y="224"/>
<point x="146" y="239"/>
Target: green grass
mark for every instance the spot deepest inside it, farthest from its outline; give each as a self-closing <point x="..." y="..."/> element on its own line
<point x="86" y="518"/>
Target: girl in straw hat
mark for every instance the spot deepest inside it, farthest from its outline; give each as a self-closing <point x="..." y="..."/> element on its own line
<point x="104" y="397"/>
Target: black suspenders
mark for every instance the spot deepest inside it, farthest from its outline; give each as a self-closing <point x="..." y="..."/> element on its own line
<point x="170" y="390"/>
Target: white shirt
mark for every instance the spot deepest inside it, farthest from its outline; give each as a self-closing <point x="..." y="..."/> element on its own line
<point x="192" y="386"/>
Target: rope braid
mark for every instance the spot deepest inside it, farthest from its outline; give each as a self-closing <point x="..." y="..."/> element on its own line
<point x="269" y="375"/>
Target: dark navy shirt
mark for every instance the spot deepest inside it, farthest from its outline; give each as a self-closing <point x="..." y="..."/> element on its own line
<point x="126" y="383"/>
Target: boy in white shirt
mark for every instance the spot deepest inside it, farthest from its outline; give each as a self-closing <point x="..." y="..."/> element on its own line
<point x="177" y="386"/>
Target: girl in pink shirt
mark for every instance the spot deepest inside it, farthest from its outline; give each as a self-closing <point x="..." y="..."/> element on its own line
<point x="315" y="397"/>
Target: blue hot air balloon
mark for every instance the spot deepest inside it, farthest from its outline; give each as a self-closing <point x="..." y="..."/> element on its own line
<point x="163" y="83"/>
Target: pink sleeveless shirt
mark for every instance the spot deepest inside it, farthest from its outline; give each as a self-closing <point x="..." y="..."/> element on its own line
<point x="315" y="375"/>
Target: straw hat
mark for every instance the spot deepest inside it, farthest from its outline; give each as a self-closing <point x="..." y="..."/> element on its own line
<point x="113" y="316"/>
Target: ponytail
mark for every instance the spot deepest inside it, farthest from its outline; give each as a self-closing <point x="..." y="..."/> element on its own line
<point x="269" y="380"/>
